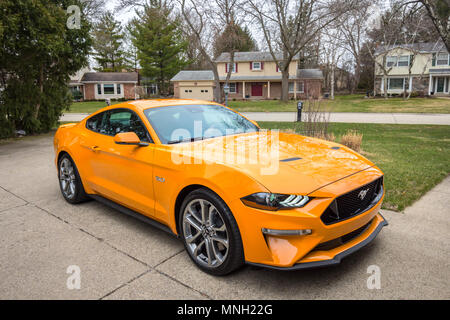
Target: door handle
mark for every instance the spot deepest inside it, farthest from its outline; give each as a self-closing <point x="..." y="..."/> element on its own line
<point x="95" y="148"/>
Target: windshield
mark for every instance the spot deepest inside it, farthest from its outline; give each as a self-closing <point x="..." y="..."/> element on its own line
<point x="175" y="124"/>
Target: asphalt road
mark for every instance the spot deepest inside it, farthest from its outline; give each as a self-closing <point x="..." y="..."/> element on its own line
<point x="122" y="258"/>
<point x="346" y="117"/>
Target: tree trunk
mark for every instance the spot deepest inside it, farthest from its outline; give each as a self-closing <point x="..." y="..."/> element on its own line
<point x="217" y="89"/>
<point x="385" y="86"/>
<point x="41" y="89"/>
<point x="332" y="82"/>
<point x="285" y="85"/>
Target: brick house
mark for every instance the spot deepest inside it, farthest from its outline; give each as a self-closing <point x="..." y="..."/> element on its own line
<point x="112" y="85"/>
<point x="255" y="75"/>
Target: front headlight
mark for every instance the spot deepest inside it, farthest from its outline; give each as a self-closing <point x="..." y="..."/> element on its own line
<point x="275" y="201"/>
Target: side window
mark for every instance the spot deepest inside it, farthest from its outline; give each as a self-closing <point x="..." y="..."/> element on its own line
<point x="121" y="120"/>
<point x="138" y="127"/>
<point x="95" y="123"/>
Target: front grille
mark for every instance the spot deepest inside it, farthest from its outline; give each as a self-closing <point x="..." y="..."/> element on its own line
<point x="330" y="245"/>
<point x="353" y="203"/>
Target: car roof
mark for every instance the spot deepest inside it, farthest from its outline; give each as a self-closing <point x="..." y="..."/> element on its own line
<point x="146" y="104"/>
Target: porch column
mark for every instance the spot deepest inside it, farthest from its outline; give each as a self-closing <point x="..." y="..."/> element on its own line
<point x="295" y="90"/>
<point x="243" y="89"/>
<point x="268" y="89"/>
<point x="430" y="84"/>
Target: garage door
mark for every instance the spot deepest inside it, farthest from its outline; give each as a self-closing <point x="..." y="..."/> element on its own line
<point x="202" y="93"/>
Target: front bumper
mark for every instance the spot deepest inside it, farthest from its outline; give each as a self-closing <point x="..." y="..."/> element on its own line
<point x="317" y="259"/>
<point x="286" y="252"/>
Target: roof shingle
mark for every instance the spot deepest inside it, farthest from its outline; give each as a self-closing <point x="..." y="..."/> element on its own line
<point x="110" y="76"/>
<point x="250" y="56"/>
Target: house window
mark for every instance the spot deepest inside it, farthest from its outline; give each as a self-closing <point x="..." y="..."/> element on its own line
<point x="119" y="87"/>
<point x="108" y="89"/>
<point x="400" y="61"/>
<point x="99" y="89"/>
<point x="442" y="59"/>
<point x="153" y="88"/>
<point x="256" y="66"/>
<point x="233" y="67"/>
<point x="396" y="83"/>
<point x="403" y="61"/>
<point x="300" y="87"/>
<point x="232" y="87"/>
<point x="391" y="61"/>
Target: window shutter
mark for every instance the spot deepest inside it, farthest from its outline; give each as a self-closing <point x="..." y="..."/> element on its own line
<point x="262" y="65"/>
<point x="235" y="67"/>
<point x="278" y="69"/>
<point x="237" y="87"/>
<point x="226" y="67"/>
<point x="411" y="57"/>
<point x="433" y="61"/>
<point x="251" y="65"/>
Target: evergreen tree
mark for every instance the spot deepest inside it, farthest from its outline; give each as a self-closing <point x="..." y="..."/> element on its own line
<point x="37" y="54"/>
<point x="234" y="38"/>
<point x="108" y="44"/>
<point x="160" y="44"/>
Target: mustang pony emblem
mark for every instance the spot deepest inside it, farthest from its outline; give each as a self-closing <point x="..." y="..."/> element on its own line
<point x="362" y="194"/>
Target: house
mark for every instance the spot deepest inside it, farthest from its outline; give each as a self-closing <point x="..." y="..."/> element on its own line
<point x="429" y="64"/>
<point x="112" y="85"/>
<point x="255" y="75"/>
<point x="75" y="84"/>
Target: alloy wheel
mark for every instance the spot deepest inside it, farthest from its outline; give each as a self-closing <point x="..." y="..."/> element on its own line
<point x="67" y="178"/>
<point x="205" y="233"/>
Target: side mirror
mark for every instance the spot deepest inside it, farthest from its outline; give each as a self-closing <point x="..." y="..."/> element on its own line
<point x="129" y="138"/>
<point x="255" y="123"/>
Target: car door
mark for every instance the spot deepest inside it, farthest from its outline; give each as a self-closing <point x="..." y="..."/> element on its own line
<point x="122" y="173"/>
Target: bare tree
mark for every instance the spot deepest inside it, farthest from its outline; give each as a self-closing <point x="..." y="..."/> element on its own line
<point x="401" y="28"/>
<point x="439" y="12"/>
<point x="353" y="25"/>
<point x="204" y="22"/>
<point x="332" y="52"/>
<point x="289" y="25"/>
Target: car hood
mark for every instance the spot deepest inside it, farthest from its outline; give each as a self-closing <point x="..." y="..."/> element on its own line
<point x="282" y="162"/>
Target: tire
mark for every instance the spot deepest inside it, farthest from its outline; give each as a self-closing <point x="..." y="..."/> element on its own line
<point x="217" y="230"/>
<point x="70" y="181"/>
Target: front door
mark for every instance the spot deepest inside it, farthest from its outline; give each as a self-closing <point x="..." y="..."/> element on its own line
<point x="122" y="173"/>
<point x="440" y="84"/>
<point x="257" y="90"/>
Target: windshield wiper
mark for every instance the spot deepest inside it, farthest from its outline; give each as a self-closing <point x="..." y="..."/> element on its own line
<point x="184" y="140"/>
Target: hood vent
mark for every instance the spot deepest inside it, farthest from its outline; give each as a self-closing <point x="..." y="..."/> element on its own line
<point x="291" y="159"/>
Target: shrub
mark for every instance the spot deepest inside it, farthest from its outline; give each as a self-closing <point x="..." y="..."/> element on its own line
<point x="353" y="140"/>
<point x="315" y="120"/>
<point x="77" y="95"/>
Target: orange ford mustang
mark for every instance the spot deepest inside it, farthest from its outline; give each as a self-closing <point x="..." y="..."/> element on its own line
<point x="232" y="192"/>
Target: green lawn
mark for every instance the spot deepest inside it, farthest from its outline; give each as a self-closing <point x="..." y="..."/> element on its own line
<point x="414" y="158"/>
<point x="345" y="103"/>
<point x="88" y="106"/>
<point x="353" y="103"/>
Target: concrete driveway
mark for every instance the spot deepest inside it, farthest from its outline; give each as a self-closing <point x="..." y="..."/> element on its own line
<point x="122" y="258"/>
